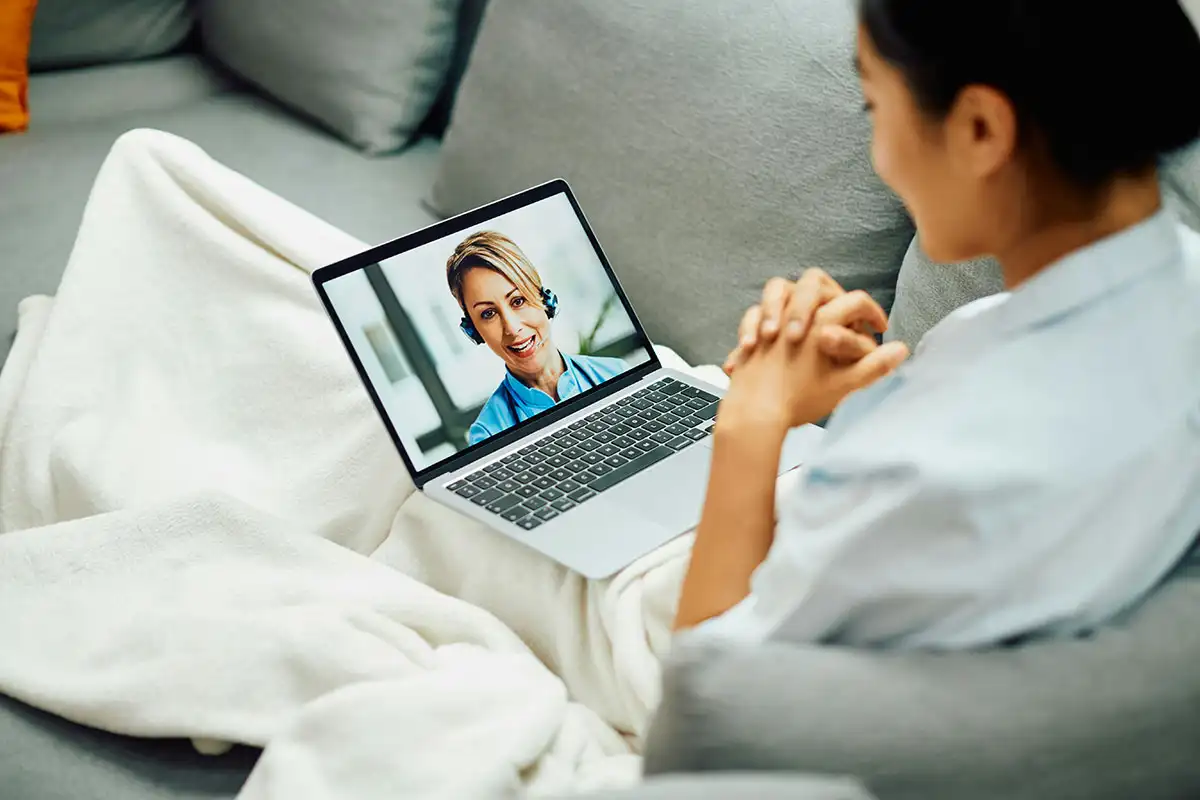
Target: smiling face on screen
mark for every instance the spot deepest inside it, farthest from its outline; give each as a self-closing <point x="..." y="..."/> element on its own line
<point x="513" y="326"/>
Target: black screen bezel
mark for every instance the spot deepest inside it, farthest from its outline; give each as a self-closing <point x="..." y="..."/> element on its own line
<point x="449" y="227"/>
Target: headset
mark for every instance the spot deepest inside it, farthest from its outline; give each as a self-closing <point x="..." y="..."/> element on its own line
<point x="549" y="300"/>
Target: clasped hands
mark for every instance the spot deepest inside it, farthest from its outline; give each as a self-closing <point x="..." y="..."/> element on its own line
<point x="804" y="348"/>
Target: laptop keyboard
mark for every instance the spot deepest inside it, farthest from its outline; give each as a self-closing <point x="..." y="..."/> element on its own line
<point x="588" y="457"/>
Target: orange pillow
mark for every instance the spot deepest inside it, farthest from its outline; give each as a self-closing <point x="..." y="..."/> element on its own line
<point x="16" y="21"/>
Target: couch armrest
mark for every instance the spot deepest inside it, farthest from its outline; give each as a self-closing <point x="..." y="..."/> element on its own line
<point x="738" y="785"/>
<point x="1113" y="716"/>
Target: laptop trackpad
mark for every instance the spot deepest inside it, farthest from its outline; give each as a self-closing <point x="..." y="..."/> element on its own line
<point x="671" y="492"/>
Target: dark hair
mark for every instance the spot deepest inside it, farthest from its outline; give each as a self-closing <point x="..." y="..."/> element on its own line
<point x="1106" y="87"/>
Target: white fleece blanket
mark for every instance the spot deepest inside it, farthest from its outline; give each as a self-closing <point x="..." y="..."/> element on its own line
<point x="206" y="532"/>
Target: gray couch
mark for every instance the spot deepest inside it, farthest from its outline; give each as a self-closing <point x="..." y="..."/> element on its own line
<point x="713" y="146"/>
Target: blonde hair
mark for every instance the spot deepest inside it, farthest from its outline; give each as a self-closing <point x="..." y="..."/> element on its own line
<point x="496" y="252"/>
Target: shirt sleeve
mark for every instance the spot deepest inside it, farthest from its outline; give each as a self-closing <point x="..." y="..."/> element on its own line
<point x="867" y="557"/>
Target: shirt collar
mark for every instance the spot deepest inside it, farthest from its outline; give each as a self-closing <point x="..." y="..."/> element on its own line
<point x="1093" y="271"/>
<point x="536" y="398"/>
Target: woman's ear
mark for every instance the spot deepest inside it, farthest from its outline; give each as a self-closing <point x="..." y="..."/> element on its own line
<point x="983" y="130"/>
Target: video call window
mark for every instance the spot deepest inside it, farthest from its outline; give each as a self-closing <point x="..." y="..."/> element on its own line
<point x="468" y="335"/>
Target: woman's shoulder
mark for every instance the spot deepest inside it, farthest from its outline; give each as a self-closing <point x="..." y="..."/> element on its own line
<point x="495" y="416"/>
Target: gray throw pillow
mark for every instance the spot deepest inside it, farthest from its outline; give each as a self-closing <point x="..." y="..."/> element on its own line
<point x="70" y="33"/>
<point x="712" y="146"/>
<point x="1105" y="718"/>
<point x="927" y="292"/>
<point x="367" y="70"/>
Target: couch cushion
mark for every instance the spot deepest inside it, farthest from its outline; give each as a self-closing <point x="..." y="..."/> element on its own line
<point x="45" y="757"/>
<point x="69" y="33"/>
<point x="122" y="91"/>
<point x="712" y="145"/>
<point x="1105" y="718"/>
<point x="370" y="70"/>
<point x="55" y="165"/>
<point x="927" y="292"/>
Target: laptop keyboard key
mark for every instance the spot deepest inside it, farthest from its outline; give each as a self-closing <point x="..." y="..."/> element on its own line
<point x="579" y="495"/>
<point x="454" y="487"/>
<point x="620" y="429"/>
<point x="630" y="453"/>
<point x="558" y="462"/>
<point x="588" y="445"/>
<point x="503" y="504"/>
<point x="573" y="452"/>
<point x="490" y="468"/>
<point x="508" y="486"/>
<point x="559" y="475"/>
<point x="540" y="469"/>
<point x="591" y="458"/>
<point x="679" y="442"/>
<point x="624" y="441"/>
<point x="608" y="450"/>
<point x="467" y="490"/>
<point x="616" y="461"/>
<point x="544" y="482"/>
<point x="678" y="430"/>
<point x="696" y="402"/>
<point x="527" y="491"/>
<point x="662" y="437"/>
<point x="599" y="469"/>
<point x="568" y="486"/>
<point x="515" y="513"/>
<point x="529" y="523"/>
<point x="646" y="445"/>
<point x="708" y="412"/>
<point x="484" y="482"/>
<point x="546" y="514"/>
<point x="563" y="504"/>
<point x="487" y="497"/>
<point x="604" y="437"/>
<point x="696" y="435"/>
<point x="654" y="426"/>
<point x="552" y="494"/>
<point x="525" y="477"/>
<point x="548" y="450"/>
<point x="630" y="468"/>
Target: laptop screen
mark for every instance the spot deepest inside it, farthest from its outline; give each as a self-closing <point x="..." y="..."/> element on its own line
<point x="474" y="333"/>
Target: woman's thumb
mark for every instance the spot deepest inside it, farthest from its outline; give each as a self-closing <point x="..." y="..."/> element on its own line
<point x="879" y="362"/>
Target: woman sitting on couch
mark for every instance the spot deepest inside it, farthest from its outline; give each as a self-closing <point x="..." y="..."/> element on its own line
<point x="1037" y="468"/>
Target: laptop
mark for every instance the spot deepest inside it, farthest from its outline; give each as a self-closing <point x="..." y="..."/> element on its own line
<point x="518" y="385"/>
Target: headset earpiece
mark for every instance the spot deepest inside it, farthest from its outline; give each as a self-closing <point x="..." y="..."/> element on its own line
<point x="550" y="301"/>
<point x="468" y="327"/>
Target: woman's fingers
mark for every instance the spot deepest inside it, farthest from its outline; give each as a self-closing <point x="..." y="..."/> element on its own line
<point x="732" y="361"/>
<point x="814" y="289"/>
<point x="748" y="329"/>
<point x="875" y="365"/>
<point x="853" y="309"/>
<point x="844" y="344"/>
<point x="774" y="300"/>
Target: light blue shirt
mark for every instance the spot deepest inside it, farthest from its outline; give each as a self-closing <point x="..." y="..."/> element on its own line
<point x="514" y="402"/>
<point x="1033" y="469"/>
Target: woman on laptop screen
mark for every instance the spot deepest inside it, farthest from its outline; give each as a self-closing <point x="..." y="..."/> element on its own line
<point x="506" y="307"/>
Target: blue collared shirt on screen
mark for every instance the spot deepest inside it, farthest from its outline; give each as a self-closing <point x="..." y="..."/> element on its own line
<point x="514" y="402"/>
